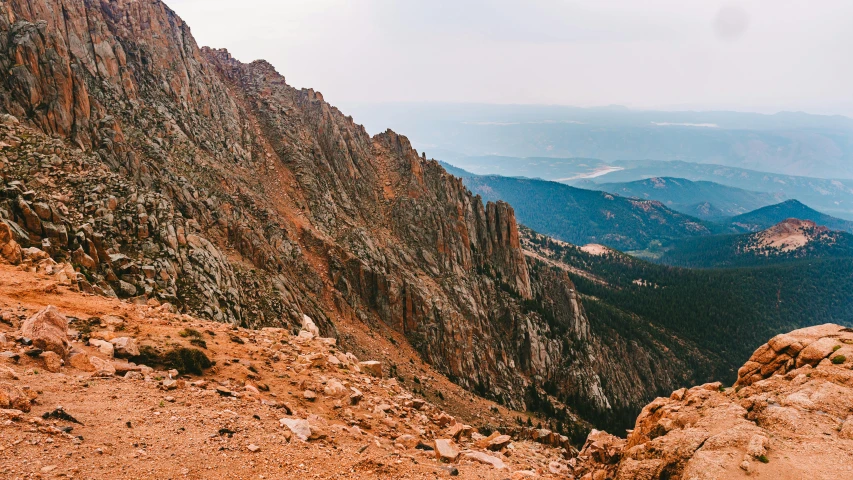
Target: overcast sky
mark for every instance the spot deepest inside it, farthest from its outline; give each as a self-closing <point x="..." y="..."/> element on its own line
<point x="763" y="55"/>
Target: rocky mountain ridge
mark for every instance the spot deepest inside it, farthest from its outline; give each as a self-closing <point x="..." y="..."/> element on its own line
<point x="162" y="172"/>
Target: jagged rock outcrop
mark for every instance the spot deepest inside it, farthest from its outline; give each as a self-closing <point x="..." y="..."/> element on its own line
<point x="793" y="419"/>
<point x="168" y="173"/>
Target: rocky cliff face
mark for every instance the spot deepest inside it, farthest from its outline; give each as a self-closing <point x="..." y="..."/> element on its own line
<point x="165" y="172"/>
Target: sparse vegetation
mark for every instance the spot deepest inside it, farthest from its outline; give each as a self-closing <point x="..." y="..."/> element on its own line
<point x="187" y="360"/>
<point x="839" y="359"/>
<point x="763" y="459"/>
<point x="190" y="332"/>
<point x="182" y="359"/>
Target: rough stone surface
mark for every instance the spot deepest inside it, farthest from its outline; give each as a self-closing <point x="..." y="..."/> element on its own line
<point x="48" y="331"/>
<point x="301" y="428"/>
<point x="784" y="423"/>
<point x="10" y="250"/>
<point x="125" y="347"/>
<point x="102" y="368"/>
<point x="52" y="361"/>
<point x="371" y="367"/>
<point x="486" y="459"/>
<point x="13" y="397"/>
<point x="445" y="451"/>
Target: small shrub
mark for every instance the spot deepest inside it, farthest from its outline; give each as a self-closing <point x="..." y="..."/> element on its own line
<point x="148" y="355"/>
<point x="763" y="459"/>
<point x="836" y="348"/>
<point x="198" y="342"/>
<point x="187" y="360"/>
<point x="190" y="332"/>
<point x="839" y="359"/>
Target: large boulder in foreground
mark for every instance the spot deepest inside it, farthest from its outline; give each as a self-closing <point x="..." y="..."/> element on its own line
<point x="48" y="329"/>
<point x="790" y="415"/>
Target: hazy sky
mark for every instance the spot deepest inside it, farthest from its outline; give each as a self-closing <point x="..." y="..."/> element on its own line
<point x="764" y="55"/>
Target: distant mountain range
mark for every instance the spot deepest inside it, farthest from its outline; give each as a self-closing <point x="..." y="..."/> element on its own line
<point x="791" y="239"/>
<point x="790" y="143"/>
<point x="646" y="228"/>
<point x="834" y="197"/>
<point x="584" y="216"/>
<point x="702" y="199"/>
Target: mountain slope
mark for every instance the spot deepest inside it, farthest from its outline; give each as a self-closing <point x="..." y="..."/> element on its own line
<point x="771" y="215"/>
<point x="585" y="216"/>
<point x="723" y="312"/>
<point x="691" y="198"/>
<point x="786" y="241"/>
<point x="168" y="173"/>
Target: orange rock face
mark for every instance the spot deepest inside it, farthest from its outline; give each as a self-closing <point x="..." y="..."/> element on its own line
<point x="791" y="422"/>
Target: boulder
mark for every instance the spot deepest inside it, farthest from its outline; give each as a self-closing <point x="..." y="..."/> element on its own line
<point x="371" y="367"/>
<point x="51" y="361"/>
<point x="125" y="347"/>
<point x="408" y="441"/>
<point x="7" y="373"/>
<point x="301" y="429"/>
<point x="499" y="442"/>
<point x="445" y="451"/>
<point x="355" y="396"/>
<point x="103" y="368"/>
<point x="334" y="388"/>
<point x="309" y="326"/>
<point x="485" y="458"/>
<point x="13" y="397"/>
<point x="48" y="330"/>
<point x="103" y="346"/>
<point x="81" y="361"/>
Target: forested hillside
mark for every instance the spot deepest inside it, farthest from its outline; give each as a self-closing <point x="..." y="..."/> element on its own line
<point x="706" y="200"/>
<point x="728" y="312"/>
<point x="771" y="215"/>
<point x="755" y="249"/>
